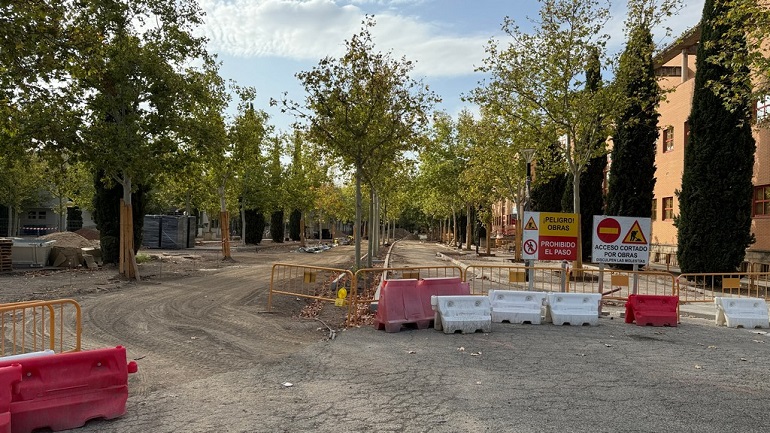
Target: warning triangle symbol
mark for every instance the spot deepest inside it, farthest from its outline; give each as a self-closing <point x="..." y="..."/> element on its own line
<point x="530" y="224"/>
<point x="635" y="235"/>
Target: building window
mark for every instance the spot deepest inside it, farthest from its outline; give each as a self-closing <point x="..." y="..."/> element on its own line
<point x="668" y="208"/>
<point x="762" y="201"/>
<point x="668" y="139"/>
<point x="669" y="71"/>
<point x="654" y="215"/>
<point x="763" y="109"/>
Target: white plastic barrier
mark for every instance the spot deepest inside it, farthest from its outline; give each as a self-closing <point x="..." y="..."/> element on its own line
<point x="466" y="313"/>
<point x="27" y="355"/>
<point x="515" y="306"/>
<point x="575" y="309"/>
<point x="742" y="312"/>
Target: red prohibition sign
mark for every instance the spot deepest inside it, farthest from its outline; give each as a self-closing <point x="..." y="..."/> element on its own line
<point x="530" y="247"/>
<point x="608" y="230"/>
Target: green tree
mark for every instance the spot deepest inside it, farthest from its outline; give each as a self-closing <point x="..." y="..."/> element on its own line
<point x="714" y="222"/>
<point x="136" y="86"/>
<point x="744" y="45"/>
<point x="632" y="178"/>
<point x="363" y="108"/>
<point x="539" y="78"/>
<point x="21" y="185"/>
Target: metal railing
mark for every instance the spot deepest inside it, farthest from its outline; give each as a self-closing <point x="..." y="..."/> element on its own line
<point x="311" y="282"/>
<point x="483" y="278"/>
<point x="703" y="287"/>
<point x="618" y="284"/>
<point x="40" y="325"/>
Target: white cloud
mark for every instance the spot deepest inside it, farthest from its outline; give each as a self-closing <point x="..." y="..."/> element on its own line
<point x="687" y="17"/>
<point x="312" y="29"/>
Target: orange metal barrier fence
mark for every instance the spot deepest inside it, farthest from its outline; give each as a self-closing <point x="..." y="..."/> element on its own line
<point x="483" y="278"/>
<point x="368" y="280"/>
<point x="40" y="325"/>
<point x="612" y="283"/>
<point x="703" y="287"/>
<point x="312" y="282"/>
<point x="618" y="284"/>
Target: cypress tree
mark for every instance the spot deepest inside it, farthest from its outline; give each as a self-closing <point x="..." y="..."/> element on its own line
<point x="295" y="219"/>
<point x="276" y="226"/>
<point x="632" y="177"/>
<point x="714" y="222"/>
<point x="255" y="226"/>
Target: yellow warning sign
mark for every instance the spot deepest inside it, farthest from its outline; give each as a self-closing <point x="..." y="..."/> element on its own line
<point x="530" y="224"/>
<point x="635" y="235"/>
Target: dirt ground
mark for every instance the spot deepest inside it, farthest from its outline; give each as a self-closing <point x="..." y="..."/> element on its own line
<point x="212" y="359"/>
<point x="192" y="314"/>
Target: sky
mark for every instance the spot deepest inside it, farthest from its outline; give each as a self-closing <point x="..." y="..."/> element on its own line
<point x="264" y="43"/>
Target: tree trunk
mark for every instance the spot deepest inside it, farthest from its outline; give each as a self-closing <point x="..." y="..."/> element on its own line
<point x="576" y="210"/>
<point x="224" y="225"/>
<point x="454" y="227"/>
<point x="357" y="222"/>
<point x="468" y="228"/>
<point x="370" y="230"/>
<point x="489" y="234"/>
<point x="127" y="260"/>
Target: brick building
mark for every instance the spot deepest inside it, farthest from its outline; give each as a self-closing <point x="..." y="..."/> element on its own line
<point x="675" y="66"/>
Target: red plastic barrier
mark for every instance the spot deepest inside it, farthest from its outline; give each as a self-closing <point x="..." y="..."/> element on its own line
<point x="407" y="301"/>
<point x="399" y="304"/>
<point x="653" y="310"/>
<point x="64" y="391"/>
<point x="9" y="376"/>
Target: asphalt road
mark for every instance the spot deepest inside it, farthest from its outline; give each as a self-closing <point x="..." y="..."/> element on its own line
<point x="518" y="378"/>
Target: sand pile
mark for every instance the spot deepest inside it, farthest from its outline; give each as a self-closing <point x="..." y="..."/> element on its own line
<point x="69" y="240"/>
<point x="90" y="234"/>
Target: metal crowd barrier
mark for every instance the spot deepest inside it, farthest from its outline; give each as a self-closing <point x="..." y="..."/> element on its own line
<point x="311" y="282"/>
<point x="34" y="326"/>
<point x="703" y="287"/>
<point x="483" y="278"/>
<point x="368" y="280"/>
<point x="617" y="284"/>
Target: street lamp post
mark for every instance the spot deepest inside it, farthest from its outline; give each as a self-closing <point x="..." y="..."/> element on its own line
<point x="528" y="154"/>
